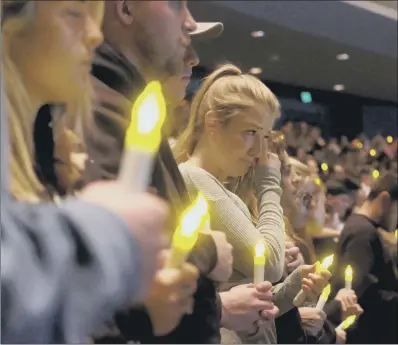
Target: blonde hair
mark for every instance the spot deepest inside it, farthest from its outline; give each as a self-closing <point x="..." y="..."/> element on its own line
<point x="24" y="182"/>
<point x="227" y="92"/>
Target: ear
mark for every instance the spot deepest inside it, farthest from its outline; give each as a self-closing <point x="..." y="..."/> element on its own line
<point x="385" y="200"/>
<point x="212" y="124"/>
<point x="125" y="11"/>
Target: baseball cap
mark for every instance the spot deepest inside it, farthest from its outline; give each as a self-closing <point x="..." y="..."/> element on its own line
<point x="207" y="30"/>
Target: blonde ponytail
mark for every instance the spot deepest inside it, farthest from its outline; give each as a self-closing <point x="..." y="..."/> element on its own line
<point x="188" y="139"/>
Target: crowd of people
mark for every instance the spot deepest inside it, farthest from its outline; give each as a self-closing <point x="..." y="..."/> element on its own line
<point x="86" y="260"/>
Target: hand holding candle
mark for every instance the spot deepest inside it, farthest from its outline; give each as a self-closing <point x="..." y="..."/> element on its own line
<point x="185" y="236"/>
<point x="346" y="323"/>
<point x="323" y="298"/>
<point x="259" y="263"/>
<point x="143" y="138"/>
<point x="301" y="296"/>
<point x="348" y="277"/>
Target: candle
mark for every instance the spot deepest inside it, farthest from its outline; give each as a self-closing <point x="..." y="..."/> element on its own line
<point x="326" y="263"/>
<point x="185" y="236"/>
<point x="143" y="138"/>
<point x="324" y="297"/>
<point x="348" y="277"/>
<point x="346" y="323"/>
<point x="259" y="263"/>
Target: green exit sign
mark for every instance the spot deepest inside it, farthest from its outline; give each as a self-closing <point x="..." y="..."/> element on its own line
<point x="306" y="97"/>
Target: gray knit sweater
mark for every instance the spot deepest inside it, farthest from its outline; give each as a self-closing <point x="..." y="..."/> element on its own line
<point x="230" y="214"/>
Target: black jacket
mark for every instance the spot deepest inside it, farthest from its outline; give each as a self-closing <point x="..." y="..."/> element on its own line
<point x="117" y="83"/>
<point x="374" y="281"/>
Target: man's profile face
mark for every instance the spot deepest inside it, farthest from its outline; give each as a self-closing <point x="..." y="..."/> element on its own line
<point x="164" y="28"/>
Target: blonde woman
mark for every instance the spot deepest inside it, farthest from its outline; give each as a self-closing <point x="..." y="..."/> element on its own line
<point x="64" y="270"/>
<point x="48" y="47"/>
<point x="232" y="115"/>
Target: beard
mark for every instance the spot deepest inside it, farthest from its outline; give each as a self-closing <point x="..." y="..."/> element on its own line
<point x="152" y="61"/>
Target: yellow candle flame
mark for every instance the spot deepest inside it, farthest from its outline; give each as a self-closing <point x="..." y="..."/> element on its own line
<point x="259" y="258"/>
<point x="324" y="167"/>
<point x="348" y="273"/>
<point x="317" y="181"/>
<point x="396" y="233"/>
<point x="326" y="292"/>
<point x="389" y="139"/>
<point x="191" y="223"/>
<point x="372" y="152"/>
<point x="348" y="321"/>
<point x="326" y="263"/>
<point x="147" y="118"/>
<point x="376" y="174"/>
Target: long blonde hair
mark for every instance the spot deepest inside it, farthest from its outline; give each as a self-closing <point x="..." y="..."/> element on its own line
<point x="24" y="182"/>
<point x="227" y="92"/>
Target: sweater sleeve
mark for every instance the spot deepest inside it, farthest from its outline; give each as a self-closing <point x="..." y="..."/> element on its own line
<point x="285" y="292"/>
<point x="63" y="273"/>
<point x="230" y="217"/>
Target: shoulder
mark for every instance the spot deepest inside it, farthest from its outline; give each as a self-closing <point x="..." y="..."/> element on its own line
<point x="359" y="229"/>
<point x="202" y="181"/>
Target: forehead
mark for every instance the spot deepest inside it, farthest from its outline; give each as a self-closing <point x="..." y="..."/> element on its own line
<point x="254" y="118"/>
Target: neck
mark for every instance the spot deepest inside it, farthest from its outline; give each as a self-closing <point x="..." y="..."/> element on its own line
<point x="368" y="211"/>
<point x="202" y="158"/>
<point x="131" y="53"/>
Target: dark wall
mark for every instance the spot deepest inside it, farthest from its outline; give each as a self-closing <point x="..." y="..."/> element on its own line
<point x="343" y="114"/>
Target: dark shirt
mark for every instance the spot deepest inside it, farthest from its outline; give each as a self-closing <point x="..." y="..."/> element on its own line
<point x="374" y="281"/>
<point x="117" y="83"/>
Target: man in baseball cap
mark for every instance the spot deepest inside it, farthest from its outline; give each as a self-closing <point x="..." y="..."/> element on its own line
<point x="144" y="41"/>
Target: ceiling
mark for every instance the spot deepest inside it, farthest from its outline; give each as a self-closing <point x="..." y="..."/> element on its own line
<point x="389" y="4"/>
<point x="302" y="51"/>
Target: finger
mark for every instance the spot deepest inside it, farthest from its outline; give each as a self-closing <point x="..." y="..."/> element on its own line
<point x="189" y="274"/>
<point x="259" y="305"/>
<point x="294" y="251"/>
<point x="270" y="313"/>
<point x="264" y="296"/>
<point x="294" y="264"/>
<point x="325" y="274"/>
<point x="264" y="286"/>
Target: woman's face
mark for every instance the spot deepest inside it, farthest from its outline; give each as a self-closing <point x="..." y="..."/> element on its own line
<point x="55" y="53"/>
<point x="238" y="144"/>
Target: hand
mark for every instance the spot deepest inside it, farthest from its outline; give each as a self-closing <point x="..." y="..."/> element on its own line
<point x="270" y="159"/>
<point x="312" y="320"/>
<point x="267" y="316"/>
<point x="144" y="214"/>
<point x="349" y="305"/>
<point x="171" y="297"/>
<point x="241" y="306"/>
<point x="223" y="269"/>
<point x="293" y="257"/>
<point x="341" y="336"/>
<point x="313" y="283"/>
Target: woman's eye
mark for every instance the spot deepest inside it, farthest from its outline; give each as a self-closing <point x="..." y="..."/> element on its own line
<point x="253" y="133"/>
<point x="75" y="13"/>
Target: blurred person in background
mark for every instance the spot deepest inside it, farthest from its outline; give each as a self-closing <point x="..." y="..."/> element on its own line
<point x="144" y="41"/>
<point x="55" y="257"/>
<point x="375" y="281"/>
<point x="207" y="163"/>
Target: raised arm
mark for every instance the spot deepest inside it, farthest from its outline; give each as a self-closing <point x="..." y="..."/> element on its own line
<point x="228" y="215"/>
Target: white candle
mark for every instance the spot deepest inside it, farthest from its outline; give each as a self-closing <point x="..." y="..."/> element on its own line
<point x="323" y="298"/>
<point x="259" y="263"/>
<point x="346" y="323"/>
<point x="348" y="277"/>
<point x="301" y="296"/>
<point x="143" y="138"/>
